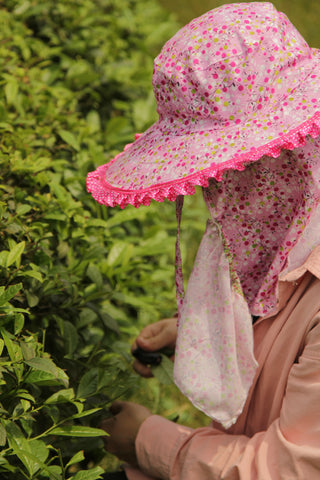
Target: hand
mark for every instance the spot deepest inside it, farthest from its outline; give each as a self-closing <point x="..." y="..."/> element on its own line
<point x="123" y="429"/>
<point x="154" y="337"/>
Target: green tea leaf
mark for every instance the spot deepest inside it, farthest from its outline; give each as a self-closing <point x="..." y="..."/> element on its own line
<point x="92" y="474"/>
<point x="24" y="394"/>
<point x="70" y="337"/>
<point x="13" y="349"/>
<point x="164" y="371"/>
<point x="97" y="222"/>
<point x="46" y="365"/>
<point x="11" y="90"/>
<point x="70" y="139"/>
<point x="88" y="384"/>
<point x="79" y="406"/>
<point x="85" y="413"/>
<point x="53" y="472"/>
<point x="116" y="253"/>
<point x="109" y="322"/>
<point x="28" y="350"/>
<point x="15" y="253"/>
<point x="18" y="323"/>
<point x="62" y="396"/>
<point x="32" y="453"/>
<point x="78" y="431"/>
<point x="3" y="258"/>
<point x="6" y="126"/>
<point x="95" y="275"/>
<point x="33" y="300"/>
<point x="34" y="274"/>
<point x="126" y="215"/>
<point x="78" y="457"/>
<point x="3" y="435"/>
<point x="23" y="209"/>
<point x="10" y="292"/>
<point x="41" y="378"/>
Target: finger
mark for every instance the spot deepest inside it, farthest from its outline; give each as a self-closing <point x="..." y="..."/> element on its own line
<point x="153" y="342"/>
<point x="108" y="445"/>
<point x="150" y="330"/>
<point x="134" y="346"/>
<point x="147" y="332"/>
<point x="141" y="369"/>
<point x="144" y="337"/>
<point x="107" y="425"/>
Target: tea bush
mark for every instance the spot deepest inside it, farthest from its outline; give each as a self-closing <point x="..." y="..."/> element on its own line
<point x="75" y="86"/>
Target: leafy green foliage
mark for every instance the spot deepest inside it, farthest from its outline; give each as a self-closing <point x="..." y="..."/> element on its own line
<point x="75" y="277"/>
<point x="164" y="371"/>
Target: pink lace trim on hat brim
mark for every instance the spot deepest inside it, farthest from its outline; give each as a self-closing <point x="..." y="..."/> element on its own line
<point x="108" y="195"/>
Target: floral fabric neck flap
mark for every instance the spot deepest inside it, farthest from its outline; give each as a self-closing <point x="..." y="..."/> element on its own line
<point x="214" y="361"/>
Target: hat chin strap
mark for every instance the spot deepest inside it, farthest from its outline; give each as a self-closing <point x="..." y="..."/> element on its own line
<point x="214" y="361"/>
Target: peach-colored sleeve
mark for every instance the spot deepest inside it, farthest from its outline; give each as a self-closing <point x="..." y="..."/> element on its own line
<point x="288" y="449"/>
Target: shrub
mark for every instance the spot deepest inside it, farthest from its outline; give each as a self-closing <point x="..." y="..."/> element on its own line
<point x="75" y="87"/>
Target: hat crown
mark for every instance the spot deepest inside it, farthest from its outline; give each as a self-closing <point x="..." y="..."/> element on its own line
<point x="228" y="64"/>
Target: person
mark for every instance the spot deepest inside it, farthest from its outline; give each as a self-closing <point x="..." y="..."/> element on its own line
<point x="237" y="93"/>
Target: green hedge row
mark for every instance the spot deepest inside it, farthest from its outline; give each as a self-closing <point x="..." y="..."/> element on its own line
<point x="75" y="83"/>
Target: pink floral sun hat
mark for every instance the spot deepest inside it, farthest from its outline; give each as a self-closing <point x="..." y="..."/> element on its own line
<point x="235" y="84"/>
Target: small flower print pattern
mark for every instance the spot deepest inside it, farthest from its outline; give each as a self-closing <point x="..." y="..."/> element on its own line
<point x="233" y="85"/>
<point x="214" y="362"/>
<point x="263" y="212"/>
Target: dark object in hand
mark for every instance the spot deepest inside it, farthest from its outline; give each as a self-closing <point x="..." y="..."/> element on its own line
<point x="147" y="358"/>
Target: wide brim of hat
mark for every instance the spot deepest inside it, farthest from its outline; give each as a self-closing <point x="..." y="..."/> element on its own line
<point x="165" y="162"/>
